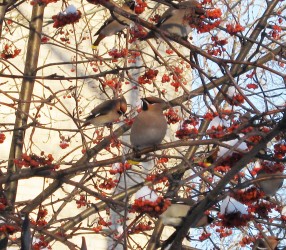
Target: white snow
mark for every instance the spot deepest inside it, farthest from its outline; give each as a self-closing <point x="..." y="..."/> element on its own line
<point x="71" y="9"/>
<point x="146" y="194"/>
<point x="231" y="91"/>
<point x="222" y="151"/>
<point x="230" y="205"/>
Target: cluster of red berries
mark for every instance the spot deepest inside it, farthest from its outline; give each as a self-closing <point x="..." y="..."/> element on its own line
<point x="275" y="32"/>
<point x="148" y="76"/>
<point x="162" y="160"/>
<point x="137" y="32"/>
<point x="2" y="137"/>
<point x="64" y="144"/>
<point x="224" y="232"/>
<point x="262" y="209"/>
<point x="187" y="129"/>
<point x="232" y="159"/>
<point x="141" y="227"/>
<point x="236" y="219"/>
<point x="133" y="56"/>
<point x="272" y="167"/>
<point x="204" y="236"/>
<point x="279" y="150"/>
<point x="140" y="6"/>
<point x="81" y="202"/>
<point x="172" y="116"/>
<point x="214" y="20"/>
<point x="113" y="83"/>
<point x="62" y="19"/>
<point x="236" y="100"/>
<point x="155" y="179"/>
<point x="185" y="133"/>
<point x="108" y="184"/>
<point x="252" y="86"/>
<point x="153" y="208"/>
<point x="35" y="161"/>
<point x="216" y="131"/>
<point x="41" y="222"/>
<point x="249" y="195"/>
<point x="121" y="169"/>
<point x="233" y="29"/>
<point x="3" y="202"/>
<point x="247" y="240"/>
<point x="217" y="46"/>
<point x="9" y="52"/>
<point x="8" y="229"/>
<point x="115" y="53"/>
<point x="42" y="2"/>
<point x="97" y="229"/>
<point x="165" y="78"/>
<point x="210" y="115"/>
<point x="103" y="223"/>
<point x="41" y="244"/>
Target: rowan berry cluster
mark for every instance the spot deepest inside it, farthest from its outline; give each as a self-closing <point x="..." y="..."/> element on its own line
<point x="247" y="240"/>
<point x="153" y="208"/>
<point x="148" y="76"/>
<point x="140" y="6"/>
<point x="9" y="51"/>
<point x="115" y="53"/>
<point x="187" y="129"/>
<point x="137" y="32"/>
<point x="2" y="137"/>
<point x="8" y="229"/>
<point x="214" y="20"/>
<point x="108" y="184"/>
<point x="62" y="19"/>
<point x="41" y="221"/>
<point x="35" y="161"/>
<point x="233" y="29"/>
<point x="81" y="202"/>
<point x="172" y="116"/>
<point x="41" y="244"/>
<point x="262" y="208"/>
<point x="121" y="168"/>
<point x="236" y="219"/>
<point x="217" y="46"/>
<point x="141" y="227"/>
<point x="249" y="195"/>
<point x="42" y="2"/>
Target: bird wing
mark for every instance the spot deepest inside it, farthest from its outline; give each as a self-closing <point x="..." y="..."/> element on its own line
<point x="167" y="14"/>
<point x="102" y="109"/>
<point x="107" y="22"/>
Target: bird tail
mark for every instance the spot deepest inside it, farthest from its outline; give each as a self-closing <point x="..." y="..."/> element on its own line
<point x="97" y="41"/>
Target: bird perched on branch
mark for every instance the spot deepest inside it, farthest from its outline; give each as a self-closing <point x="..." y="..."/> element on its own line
<point x="107" y="112"/>
<point x="150" y="126"/>
<point x="177" y="20"/>
<point x="175" y="215"/>
<point x="270" y="243"/>
<point x="114" y="24"/>
<point x="269" y="186"/>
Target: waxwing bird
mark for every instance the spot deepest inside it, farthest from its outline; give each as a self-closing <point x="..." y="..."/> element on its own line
<point x="177" y="20"/>
<point x="260" y="244"/>
<point x="107" y="112"/>
<point x="175" y="214"/>
<point x="269" y="186"/>
<point x="114" y="24"/>
<point x="150" y="126"/>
